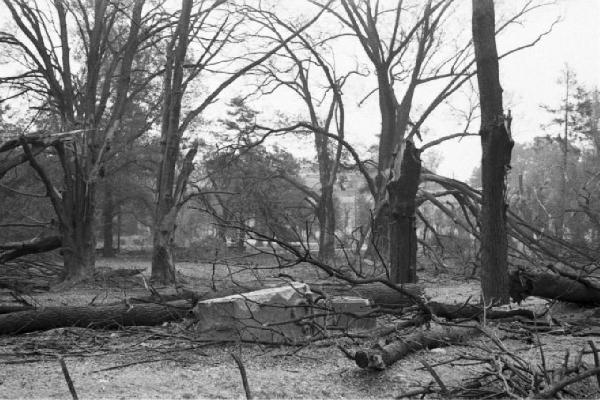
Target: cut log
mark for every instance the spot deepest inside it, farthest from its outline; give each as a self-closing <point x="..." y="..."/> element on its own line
<point x="378" y="293"/>
<point x="439" y="336"/>
<point x="110" y="316"/>
<point x="551" y="286"/>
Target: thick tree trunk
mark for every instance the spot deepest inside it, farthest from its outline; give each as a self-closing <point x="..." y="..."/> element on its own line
<point x="102" y="317"/>
<point x="402" y="191"/>
<point x="163" y="266"/>
<point x="552" y="286"/>
<point x="78" y="232"/>
<point x="496" y="146"/>
<point x="108" y="211"/>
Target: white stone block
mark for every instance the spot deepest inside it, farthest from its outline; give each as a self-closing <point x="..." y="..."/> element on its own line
<point x="274" y="315"/>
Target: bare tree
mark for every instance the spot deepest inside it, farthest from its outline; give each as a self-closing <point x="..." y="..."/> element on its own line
<point x="407" y="55"/>
<point x="171" y="186"/>
<point x="87" y="97"/>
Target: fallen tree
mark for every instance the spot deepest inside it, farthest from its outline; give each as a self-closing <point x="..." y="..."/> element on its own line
<point x="99" y="317"/>
<point x="551" y="286"/>
<point x="37" y="245"/>
<point x="378" y="293"/>
<point x="380" y="357"/>
<point x="474" y="311"/>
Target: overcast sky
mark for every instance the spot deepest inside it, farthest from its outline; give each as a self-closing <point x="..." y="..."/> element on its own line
<point x="528" y="78"/>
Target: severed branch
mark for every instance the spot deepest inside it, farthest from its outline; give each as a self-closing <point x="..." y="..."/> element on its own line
<point x="37" y="245"/>
<point x="242" y="369"/>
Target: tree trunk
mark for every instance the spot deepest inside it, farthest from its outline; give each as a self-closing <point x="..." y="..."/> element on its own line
<point x="170" y="189"/>
<point x="552" y="286"/>
<point x="402" y="191"/>
<point x="378" y="293"/>
<point x="380" y="358"/>
<point x="101" y="317"/>
<point x="326" y="217"/>
<point x="163" y="266"/>
<point x="78" y="232"/>
<point x="108" y="211"/>
<point x="19" y="249"/>
<point x="496" y="146"/>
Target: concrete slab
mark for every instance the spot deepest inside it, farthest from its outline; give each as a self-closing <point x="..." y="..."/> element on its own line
<point x="350" y="313"/>
<point x="284" y="314"/>
<point x="274" y="315"/>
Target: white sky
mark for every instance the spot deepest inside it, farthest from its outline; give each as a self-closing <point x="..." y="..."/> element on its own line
<point x="528" y="78"/>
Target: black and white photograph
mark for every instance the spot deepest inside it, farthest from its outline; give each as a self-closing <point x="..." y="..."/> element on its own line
<point x="299" y="199"/>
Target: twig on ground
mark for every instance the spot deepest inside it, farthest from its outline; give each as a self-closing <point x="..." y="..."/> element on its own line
<point x="437" y="378"/>
<point x="349" y="355"/>
<point x="596" y="359"/>
<point x="68" y="378"/>
<point x="242" y="369"/>
<point x="554" y="389"/>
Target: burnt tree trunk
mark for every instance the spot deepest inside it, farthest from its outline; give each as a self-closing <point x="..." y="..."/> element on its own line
<point x="496" y="144"/>
<point x="402" y="191"/>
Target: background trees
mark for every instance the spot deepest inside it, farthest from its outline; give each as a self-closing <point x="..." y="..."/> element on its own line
<point x="78" y="64"/>
<point x="122" y="119"/>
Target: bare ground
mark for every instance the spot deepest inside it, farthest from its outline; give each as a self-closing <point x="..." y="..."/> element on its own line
<point x="167" y="362"/>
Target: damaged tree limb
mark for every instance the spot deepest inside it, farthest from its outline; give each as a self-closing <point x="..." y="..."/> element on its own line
<point x="439" y="336"/>
<point x="37" y="245"/>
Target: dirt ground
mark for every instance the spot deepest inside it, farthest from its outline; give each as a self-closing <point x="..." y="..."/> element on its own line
<point x="166" y="362"/>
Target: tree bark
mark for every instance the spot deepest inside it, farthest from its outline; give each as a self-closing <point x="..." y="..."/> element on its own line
<point x="496" y="146"/>
<point x="108" y="211"/>
<point x="29" y="247"/>
<point x="327" y="223"/>
<point x="551" y="286"/>
<point x="402" y="191"/>
<point x="102" y="317"/>
<point x="380" y="358"/>
<point x="78" y="232"/>
<point x="378" y="293"/>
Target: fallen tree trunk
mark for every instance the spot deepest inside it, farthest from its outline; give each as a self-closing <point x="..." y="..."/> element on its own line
<point x="378" y="293"/>
<point x="20" y="249"/>
<point x="440" y="336"/>
<point x="12" y="309"/>
<point x="471" y="311"/>
<point x="551" y="286"/>
<point x="109" y="316"/>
